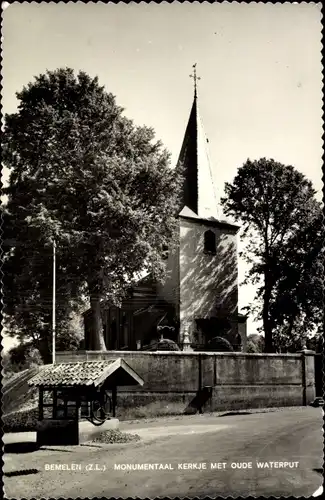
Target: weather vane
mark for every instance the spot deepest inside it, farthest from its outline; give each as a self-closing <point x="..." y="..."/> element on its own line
<point x="195" y="78"/>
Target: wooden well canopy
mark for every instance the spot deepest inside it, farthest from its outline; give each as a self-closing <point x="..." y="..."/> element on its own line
<point x="80" y="389"/>
<point x="92" y="374"/>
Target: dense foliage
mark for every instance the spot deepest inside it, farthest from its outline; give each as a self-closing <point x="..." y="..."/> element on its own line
<point x="84" y="175"/>
<point x="282" y="227"/>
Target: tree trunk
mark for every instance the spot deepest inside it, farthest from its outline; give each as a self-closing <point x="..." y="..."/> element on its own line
<point x="268" y="283"/>
<point x="43" y="345"/>
<point x="266" y="317"/>
<point x="97" y="342"/>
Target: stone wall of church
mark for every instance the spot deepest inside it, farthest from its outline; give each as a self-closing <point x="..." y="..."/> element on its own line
<point x="177" y="382"/>
<point x="208" y="282"/>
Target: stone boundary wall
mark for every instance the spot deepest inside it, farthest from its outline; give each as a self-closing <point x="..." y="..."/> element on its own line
<point x="187" y="381"/>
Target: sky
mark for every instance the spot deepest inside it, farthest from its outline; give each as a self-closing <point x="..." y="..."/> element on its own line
<point x="260" y="93"/>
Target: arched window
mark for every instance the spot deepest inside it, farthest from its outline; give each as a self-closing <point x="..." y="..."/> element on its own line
<point x="209" y="242"/>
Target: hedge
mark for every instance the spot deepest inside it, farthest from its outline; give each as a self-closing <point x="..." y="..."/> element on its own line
<point x="20" y="421"/>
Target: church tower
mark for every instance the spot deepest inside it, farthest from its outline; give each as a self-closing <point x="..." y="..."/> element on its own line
<point x="199" y="299"/>
<point x="199" y="196"/>
<point x="202" y="282"/>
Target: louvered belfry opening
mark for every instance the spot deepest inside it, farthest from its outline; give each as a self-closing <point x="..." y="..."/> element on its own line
<point x="210" y="242"/>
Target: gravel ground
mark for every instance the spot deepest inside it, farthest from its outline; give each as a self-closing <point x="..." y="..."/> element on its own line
<point x="115" y="436"/>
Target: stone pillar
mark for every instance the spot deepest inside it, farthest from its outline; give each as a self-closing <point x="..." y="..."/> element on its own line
<point x="308" y="376"/>
<point x="114" y="399"/>
<point x="242" y="330"/>
<point x="186" y="336"/>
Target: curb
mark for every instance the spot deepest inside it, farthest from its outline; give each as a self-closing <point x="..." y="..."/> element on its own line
<point x="87" y="431"/>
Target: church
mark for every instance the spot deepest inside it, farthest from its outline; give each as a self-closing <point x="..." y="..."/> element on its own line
<point x="198" y="302"/>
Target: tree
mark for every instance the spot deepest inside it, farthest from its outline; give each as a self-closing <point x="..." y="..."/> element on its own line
<point x="86" y="176"/>
<point x="297" y="307"/>
<point x="276" y="205"/>
<point x="27" y="283"/>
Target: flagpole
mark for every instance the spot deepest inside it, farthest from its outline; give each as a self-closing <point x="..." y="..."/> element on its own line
<point x="54" y="302"/>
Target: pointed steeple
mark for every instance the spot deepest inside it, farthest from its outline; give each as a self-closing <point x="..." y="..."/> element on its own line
<point x="198" y="193"/>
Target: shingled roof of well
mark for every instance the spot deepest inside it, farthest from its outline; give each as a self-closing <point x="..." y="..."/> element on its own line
<point x="71" y="374"/>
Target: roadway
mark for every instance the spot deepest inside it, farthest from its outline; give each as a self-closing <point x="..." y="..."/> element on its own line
<point x="291" y="439"/>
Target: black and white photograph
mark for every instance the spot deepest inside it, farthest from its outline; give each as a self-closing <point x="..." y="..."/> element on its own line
<point x="162" y="250"/>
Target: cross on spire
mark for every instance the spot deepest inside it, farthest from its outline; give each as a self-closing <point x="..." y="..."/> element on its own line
<point x="195" y="78"/>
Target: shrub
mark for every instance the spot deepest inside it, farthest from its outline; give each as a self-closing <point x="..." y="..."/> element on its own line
<point x="255" y="343"/>
<point x="162" y="345"/>
<point x="218" y="344"/>
<point x="21" y="421"/>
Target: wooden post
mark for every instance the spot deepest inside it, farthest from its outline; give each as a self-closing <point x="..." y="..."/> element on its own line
<point x="53" y="302"/>
<point x="114" y="394"/>
<point x="200" y="381"/>
<point x="54" y="402"/>
<point x="40" y="403"/>
<point x="78" y="407"/>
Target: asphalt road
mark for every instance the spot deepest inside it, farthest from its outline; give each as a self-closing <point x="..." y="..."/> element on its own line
<point x="292" y="440"/>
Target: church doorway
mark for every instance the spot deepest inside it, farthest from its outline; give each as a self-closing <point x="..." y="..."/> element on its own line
<point x="118" y="329"/>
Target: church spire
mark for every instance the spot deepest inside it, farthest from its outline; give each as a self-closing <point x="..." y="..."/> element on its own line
<point x="198" y="192"/>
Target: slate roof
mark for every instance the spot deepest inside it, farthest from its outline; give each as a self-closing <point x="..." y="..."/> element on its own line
<point x="85" y="373"/>
<point x="199" y="193"/>
<point x="200" y="197"/>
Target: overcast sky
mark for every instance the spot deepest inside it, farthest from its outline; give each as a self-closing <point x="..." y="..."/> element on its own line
<point x="260" y="68"/>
